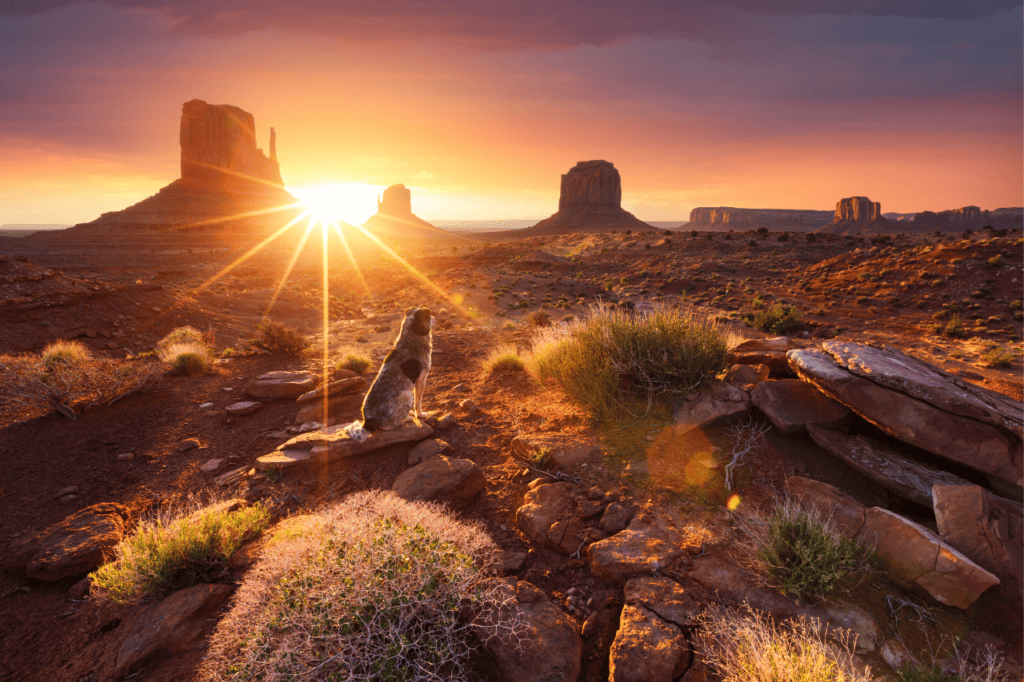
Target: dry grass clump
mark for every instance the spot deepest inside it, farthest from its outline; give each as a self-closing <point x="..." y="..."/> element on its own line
<point x="187" y="350"/>
<point x="504" y="358"/>
<point x="183" y="335"/>
<point x="355" y="362"/>
<point x="190" y="540"/>
<point x="612" y="354"/>
<point x="280" y="338"/>
<point x="798" y="552"/>
<point x="67" y="380"/>
<point x="747" y="646"/>
<point x="373" y="591"/>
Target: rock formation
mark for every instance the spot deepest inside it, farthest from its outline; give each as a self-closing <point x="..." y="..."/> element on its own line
<point x="395" y="219"/>
<point x="590" y="201"/>
<point x="967" y="218"/>
<point x="857" y="215"/>
<point x="228" y="186"/>
<point x="726" y="217"/>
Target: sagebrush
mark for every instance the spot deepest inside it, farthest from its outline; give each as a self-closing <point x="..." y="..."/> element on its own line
<point x="192" y="539"/>
<point x="372" y="591"/>
<point x="280" y="338"/>
<point x="612" y="354"/>
<point x="355" y="362"/>
<point x="778" y="319"/>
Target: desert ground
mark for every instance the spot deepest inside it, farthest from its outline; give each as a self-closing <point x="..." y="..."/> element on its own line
<point x="121" y="297"/>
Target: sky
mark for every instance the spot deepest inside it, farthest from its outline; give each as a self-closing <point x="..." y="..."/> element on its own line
<point x="480" y="105"/>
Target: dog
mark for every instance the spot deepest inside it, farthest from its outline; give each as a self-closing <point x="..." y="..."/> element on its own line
<point x="398" y="389"/>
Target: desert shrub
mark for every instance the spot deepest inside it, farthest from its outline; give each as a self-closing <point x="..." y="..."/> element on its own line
<point x="779" y="319"/>
<point x="798" y="552"/>
<point x="65" y="353"/>
<point x="355" y="362"/>
<point x="603" y="358"/>
<point x="71" y="386"/>
<point x="189" y="357"/>
<point x="504" y="358"/>
<point x="280" y="338"/>
<point x="757" y="303"/>
<point x="784" y="237"/>
<point x="372" y="590"/>
<point x="934" y="673"/>
<point x="748" y="646"/>
<point x="811" y="237"/>
<point x="997" y="356"/>
<point x="954" y="329"/>
<point x="539" y="318"/>
<point x="191" y="540"/>
<point x="995" y="261"/>
<point x="183" y="335"/>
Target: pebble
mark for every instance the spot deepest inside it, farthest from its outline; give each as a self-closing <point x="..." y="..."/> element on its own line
<point x="126" y="456"/>
<point x="70" y="490"/>
<point x="205" y="406"/>
<point x="67" y="499"/>
<point x="188" y="444"/>
<point x="211" y="466"/>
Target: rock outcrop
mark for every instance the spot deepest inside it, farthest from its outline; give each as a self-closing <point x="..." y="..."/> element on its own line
<point x="967" y="218"/>
<point x="727" y="217"/>
<point x="394" y="217"/>
<point x="857" y="215"/>
<point x="228" y="186"/>
<point x="590" y="201"/>
<point x="78" y="544"/>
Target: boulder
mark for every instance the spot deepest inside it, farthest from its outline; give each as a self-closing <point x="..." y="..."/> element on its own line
<point x="846" y="513"/>
<point x="769" y="352"/>
<point x="176" y="624"/>
<point x="646" y="649"/>
<point x="652" y="541"/>
<point x="441" y="479"/>
<point x="917" y="556"/>
<point x="665" y="598"/>
<point x="321" y="448"/>
<point x="547" y="517"/>
<point x="549" y="649"/>
<point x="335" y="388"/>
<point x="851" y="618"/>
<point x="791" y="405"/>
<point x="745" y="377"/>
<point x="428" y="449"/>
<point x="242" y="408"/>
<point x="904" y="476"/>
<point x="967" y="426"/>
<point x="78" y="544"/>
<point x="281" y="385"/>
<point x="734" y="586"/>
<point x="986" y="530"/>
<point x="716" y="403"/>
<point x="562" y="451"/>
<point x="615" y="518"/>
<point x="342" y="408"/>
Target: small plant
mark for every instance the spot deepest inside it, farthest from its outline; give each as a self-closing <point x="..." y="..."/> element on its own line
<point x="799" y="552"/>
<point x="354" y="362"/>
<point x="913" y="673"/>
<point x="998" y="357"/>
<point x="65" y="353"/>
<point x="504" y="358"/>
<point x="539" y="318"/>
<point x="995" y="261"/>
<point x="194" y="540"/>
<point x="748" y="646"/>
<point x="757" y="303"/>
<point x="955" y="328"/>
<point x="540" y="459"/>
<point x="779" y="319"/>
<point x="189" y="357"/>
<point x="280" y="338"/>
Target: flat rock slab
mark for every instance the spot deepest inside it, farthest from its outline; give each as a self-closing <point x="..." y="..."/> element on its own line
<point x="745" y="377"/>
<point x="562" y="451"/>
<point x="242" y="408"/>
<point x="653" y="539"/>
<point x="829" y="502"/>
<point x="988" y="448"/>
<point x="665" y="598"/>
<point x="176" y="624"/>
<point x="917" y="556"/>
<point x="716" y="403"/>
<point x="733" y="585"/>
<point x="281" y="385"/>
<point x="441" y="479"/>
<point x="332" y="444"/>
<point x="986" y="529"/>
<point x="335" y="388"/>
<point x="770" y="352"/>
<point x="429" y="448"/>
<point x="646" y="648"/>
<point x="902" y="475"/>
<point x="344" y="408"/>
<point x="78" y="544"/>
<point x="791" y="405"/>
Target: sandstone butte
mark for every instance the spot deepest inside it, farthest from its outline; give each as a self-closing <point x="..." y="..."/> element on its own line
<point x="394" y="217"/>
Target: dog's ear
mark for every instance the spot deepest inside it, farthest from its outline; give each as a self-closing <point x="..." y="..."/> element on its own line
<point x="421" y="321"/>
<point x="410" y="311"/>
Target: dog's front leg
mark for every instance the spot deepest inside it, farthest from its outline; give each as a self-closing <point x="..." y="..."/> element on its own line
<point x="419" y="387"/>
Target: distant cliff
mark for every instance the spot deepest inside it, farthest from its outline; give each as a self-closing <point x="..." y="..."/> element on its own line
<point x="969" y="217"/>
<point x="394" y="217"/>
<point x="859" y="215"/>
<point x="726" y="217"/>
<point x="218" y="144"/>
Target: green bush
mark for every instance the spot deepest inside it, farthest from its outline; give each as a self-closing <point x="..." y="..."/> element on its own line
<point x="779" y="319"/>
<point x="371" y="588"/>
<point x="280" y="338"/>
<point x="798" y="552"/>
<point x="192" y="541"/>
<point x="954" y="329"/>
<point x="602" y="359"/>
<point x="354" y="362"/>
<point x="997" y="356"/>
<point x="65" y="353"/>
<point x="504" y="358"/>
<point x="539" y="318"/>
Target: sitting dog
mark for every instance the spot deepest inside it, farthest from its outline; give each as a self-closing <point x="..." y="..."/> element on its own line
<point x="398" y="389"/>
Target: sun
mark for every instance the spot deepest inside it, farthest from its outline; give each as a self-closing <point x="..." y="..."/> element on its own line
<point x="351" y="202"/>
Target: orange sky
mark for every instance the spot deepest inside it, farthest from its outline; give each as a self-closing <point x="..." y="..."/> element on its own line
<point x="774" y="108"/>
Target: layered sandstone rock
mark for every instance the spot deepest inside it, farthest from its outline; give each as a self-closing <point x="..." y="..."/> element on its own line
<point x="968" y="217"/>
<point x="218" y="145"/>
<point x="590" y="201"/>
<point x="856" y="215"/>
<point x="395" y="219"/>
<point x="726" y="217"/>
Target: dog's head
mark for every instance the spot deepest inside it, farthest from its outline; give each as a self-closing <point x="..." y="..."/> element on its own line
<point x="418" y="321"/>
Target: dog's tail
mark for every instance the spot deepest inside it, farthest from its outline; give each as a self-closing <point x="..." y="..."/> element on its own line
<point x="360" y="432"/>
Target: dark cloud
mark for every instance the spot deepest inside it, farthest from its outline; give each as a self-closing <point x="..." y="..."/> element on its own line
<point x="523" y="23"/>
